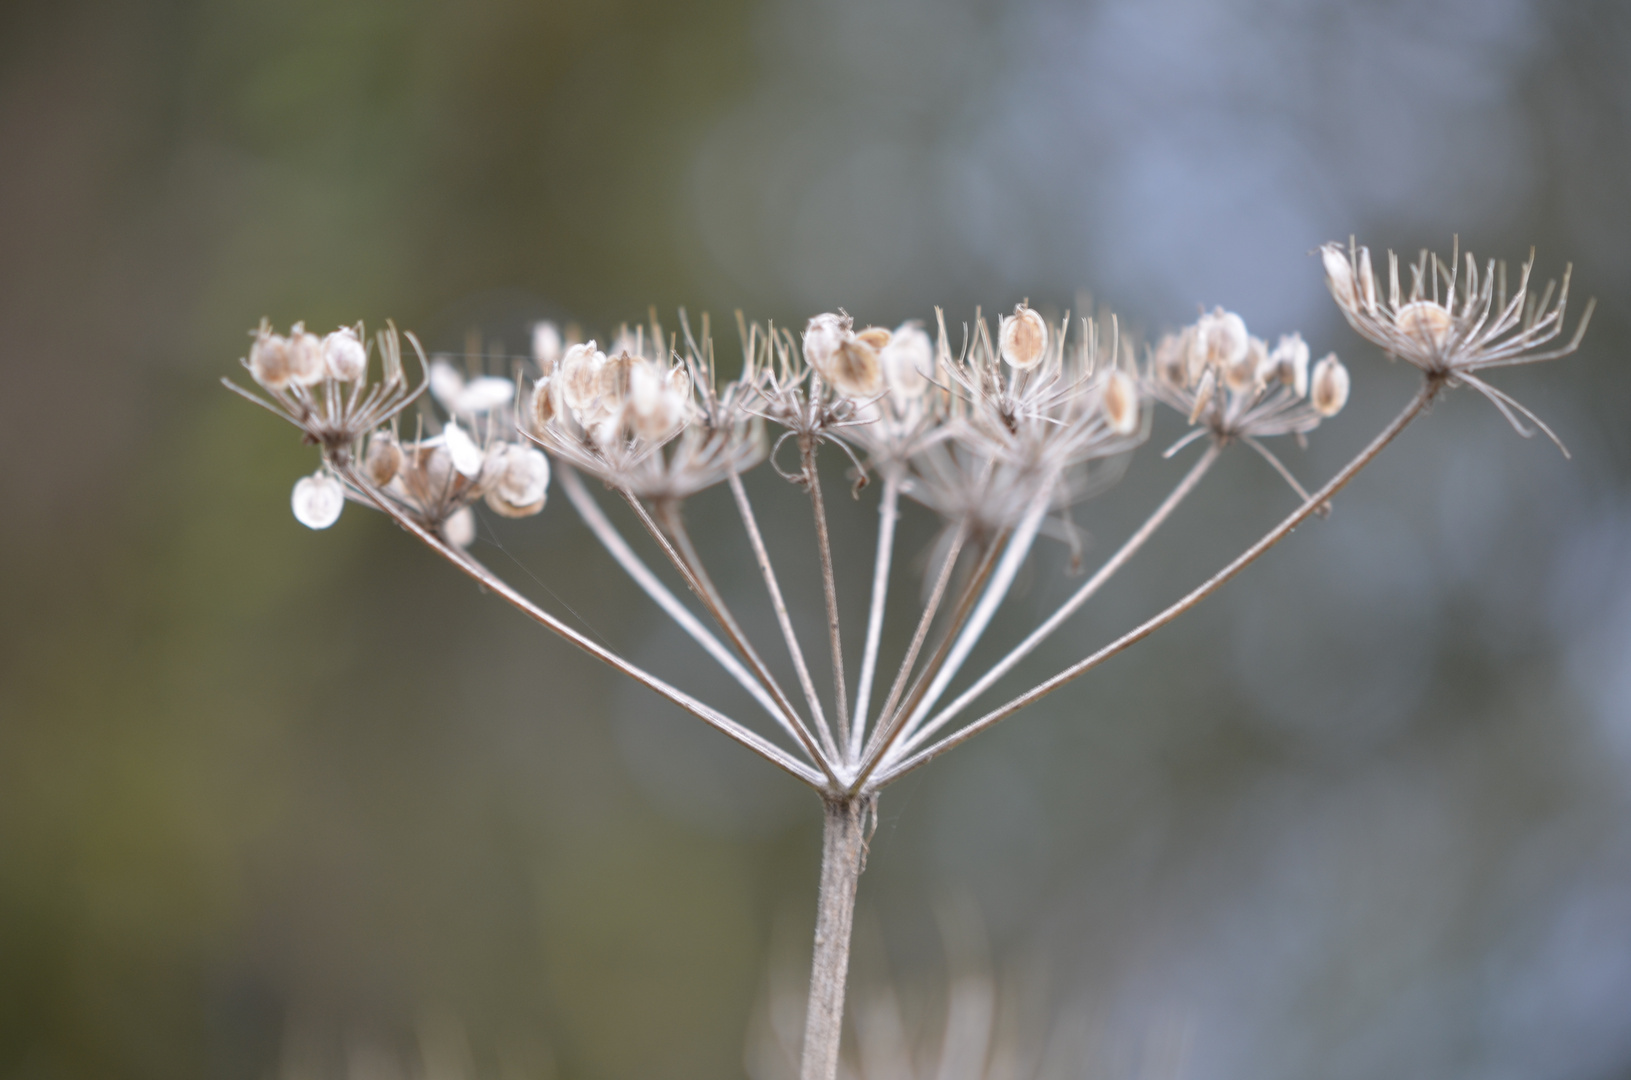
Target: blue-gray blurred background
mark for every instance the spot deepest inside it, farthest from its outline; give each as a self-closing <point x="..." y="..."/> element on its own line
<point x="276" y="803"/>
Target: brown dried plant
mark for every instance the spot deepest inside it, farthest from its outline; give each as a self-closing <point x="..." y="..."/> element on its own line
<point x="997" y="437"/>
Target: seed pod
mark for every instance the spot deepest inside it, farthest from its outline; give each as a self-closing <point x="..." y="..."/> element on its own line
<point x="853" y="369"/>
<point x="1288" y="363"/>
<point x="580" y="377"/>
<point x="1425" y="321"/>
<point x="1339" y="275"/>
<point x="269" y="360"/>
<point x="384" y="458"/>
<point x="307" y="365"/>
<point x="1024" y="338"/>
<point x="460" y="527"/>
<point x="822" y="337"/>
<point x="446" y="384"/>
<point x="906" y="362"/>
<point x="546" y="346"/>
<point x="543" y="403"/>
<point x="462" y="450"/>
<point x="1119" y="400"/>
<point x="614" y="377"/>
<point x="1220" y="339"/>
<point x="1243" y="374"/>
<point x="1329" y="386"/>
<point x="520" y="481"/>
<point x="317" y="500"/>
<point x="656" y="404"/>
<point x="484" y="394"/>
<point x="875" y="336"/>
<point x="344" y="355"/>
<point x="427" y="472"/>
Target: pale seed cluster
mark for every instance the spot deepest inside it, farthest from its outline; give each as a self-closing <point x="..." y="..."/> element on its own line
<point x="471" y="452"/>
<point x="1233" y="384"/>
<point x="1454" y="320"/>
<point x="1014" y="418"/>
<point x="644" y="418"/>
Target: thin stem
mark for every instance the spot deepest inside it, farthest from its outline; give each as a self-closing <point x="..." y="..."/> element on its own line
<point x="924" y="622"/>
<point x="757" y="541"/>
<point x="895" y="719"/>
<point x="843" y="857"/>
<point x="489" y="580"/>
<point x="1018" y="548"/>
<point x="1091" y="586"/>
<point x="812" y="483"/>
<point x="888" y="514"/>
<point x="1430" y="388"/>
<point x="686" y="555"/>
<point x="589" y="510"/>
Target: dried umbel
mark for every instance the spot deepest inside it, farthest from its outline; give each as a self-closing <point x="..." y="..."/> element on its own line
<point x="1455" y="321"/>
<point x="321" y="385"/>
<point x="999" y="435"/>
<point x="646" y="419"/>
<point x="1232" y="386"/>
<point x="472" y="452"/>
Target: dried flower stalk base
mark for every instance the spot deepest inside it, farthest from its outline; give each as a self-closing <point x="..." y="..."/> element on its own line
<point x="998" y="439"/>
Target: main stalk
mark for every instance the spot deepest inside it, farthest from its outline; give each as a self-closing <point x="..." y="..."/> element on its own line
<point x="843" y="857"/>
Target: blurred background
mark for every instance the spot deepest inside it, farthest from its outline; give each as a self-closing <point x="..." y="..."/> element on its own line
<point x="276" y="803"/>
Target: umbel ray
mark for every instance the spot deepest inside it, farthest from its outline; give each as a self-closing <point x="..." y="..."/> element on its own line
<point x="996" y="430"/>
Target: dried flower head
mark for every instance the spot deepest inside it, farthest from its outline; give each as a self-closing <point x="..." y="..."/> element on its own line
<point x="1454" y="320"/>
<point x="321" y="385"/>
<point x="1232" y="386"/>
<point x="635" y="418"/>
<point x="1231" y="383"/>
<point x="1012" y="437"/>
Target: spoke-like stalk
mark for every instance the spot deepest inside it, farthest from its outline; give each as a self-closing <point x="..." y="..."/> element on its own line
<point x="1424" y="396"/>
<point x="685" y="554"/>
<point x="888" y="514"/>
<point x="893" y="720"/>
<point x="1013" y="557"/>
<point x="751" y="523"/>
<point x="919" y="636"/>
<point x="491" y="581"/>
<point x="843" y="857"/>
<point x="1091" y="586"/>
<point x="829" y="587"/>
<point x="589" y="510"/>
